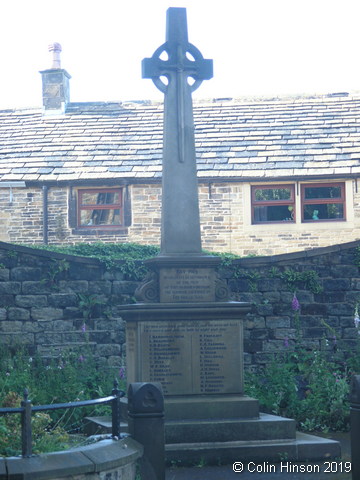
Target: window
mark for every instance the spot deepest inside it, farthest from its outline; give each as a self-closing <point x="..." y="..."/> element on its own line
<point x="100" y="208"/>
<point x="323" y="201"/>
<point x="273" y="203"/>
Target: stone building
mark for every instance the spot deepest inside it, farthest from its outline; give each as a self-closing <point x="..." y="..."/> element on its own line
<point x="274" y="176"/>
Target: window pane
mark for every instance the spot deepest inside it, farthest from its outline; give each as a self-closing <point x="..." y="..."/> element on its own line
<point x="100" y="198"/>
<point x="100" y="217"/>
<point x="272" y="194"/>
<point x="322" y="192"/>
<point x="323" y="211"/>
<point x="274" y="213"/>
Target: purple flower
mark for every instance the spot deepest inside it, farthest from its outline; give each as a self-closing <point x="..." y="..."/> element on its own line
<point x="83" y="327"/>
<point x="356" y="318"/>
<point x="286" y="342"/>
<point x="295" y="305"/>
<point x="81" y="358"/>
<point x="122" y="372"/>
<point x="335" y="344"/>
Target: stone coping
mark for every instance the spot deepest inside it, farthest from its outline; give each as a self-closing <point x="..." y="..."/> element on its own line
<point x="302" y="254"/>
<point x="27" y="250"/>
<point x="256" y="260"/>
<point x="102" y="456"/>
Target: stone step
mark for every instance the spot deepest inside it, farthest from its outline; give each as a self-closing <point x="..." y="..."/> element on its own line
<point x="302" y="448"/>
<point x="101" y="425"/>
<point x="296" y="446"/>
<point x="215" y="406"/>
<point x="266" y="427"/>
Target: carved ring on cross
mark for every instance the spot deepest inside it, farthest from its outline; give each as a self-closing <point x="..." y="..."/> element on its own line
<point x="180" y="64"/>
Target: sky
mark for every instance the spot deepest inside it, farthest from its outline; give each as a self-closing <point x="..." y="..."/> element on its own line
<point x="260" y="48"/>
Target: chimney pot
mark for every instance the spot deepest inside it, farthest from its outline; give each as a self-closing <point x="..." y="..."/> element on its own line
<point x="55" y="48"/>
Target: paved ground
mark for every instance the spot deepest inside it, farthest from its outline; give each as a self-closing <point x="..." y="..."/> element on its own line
<point x="306" y="471"/>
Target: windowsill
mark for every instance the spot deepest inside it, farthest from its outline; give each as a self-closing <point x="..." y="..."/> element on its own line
<point x="300" y="223"/>
<point x="100" y="231"/>
<point x="334" y="220"/>
<point x="300" y="226"/>
<point x="284" y="222"/>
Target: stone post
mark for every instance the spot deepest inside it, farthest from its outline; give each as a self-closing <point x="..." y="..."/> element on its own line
<point x="355" y="426"/>
<point x="26" y="433"/>
<point x="146" y="426"/>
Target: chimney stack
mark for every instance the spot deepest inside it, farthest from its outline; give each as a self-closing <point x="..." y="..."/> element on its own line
<point x="55" y="84"/>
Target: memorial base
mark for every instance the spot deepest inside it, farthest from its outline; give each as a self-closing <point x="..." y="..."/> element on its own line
<point x="302" y="448"/>
<point x="196" y="351"/>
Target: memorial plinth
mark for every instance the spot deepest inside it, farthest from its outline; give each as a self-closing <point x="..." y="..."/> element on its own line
<point x="189" y="337"/>
<point x="191" y="350"/>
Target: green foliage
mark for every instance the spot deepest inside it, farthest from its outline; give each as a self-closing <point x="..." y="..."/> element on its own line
<point x="251" y="275"/>
<point x="69" y="377"/>
<point x="55" y="269"/>
<point x="88" y="304"/>
<point x="123" y="256"/>
<point x="226" y="258"/>
<point x="304" y="386"/>
<point x="46" y="436"/>
<point x="294" y="279"/>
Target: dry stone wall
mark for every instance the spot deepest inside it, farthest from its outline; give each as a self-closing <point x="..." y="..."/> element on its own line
<point x="51" y="302"/>
<point x="47" y="298"/>
<point x="326" y="283"/>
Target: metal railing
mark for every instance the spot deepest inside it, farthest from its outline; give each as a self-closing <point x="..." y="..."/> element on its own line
<point x="27" y="408"/>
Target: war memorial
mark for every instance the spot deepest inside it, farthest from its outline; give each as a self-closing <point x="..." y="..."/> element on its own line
<point x="184" y="332"/>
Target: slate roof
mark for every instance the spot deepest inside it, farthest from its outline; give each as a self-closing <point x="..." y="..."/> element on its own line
<point x="266" y="140"/>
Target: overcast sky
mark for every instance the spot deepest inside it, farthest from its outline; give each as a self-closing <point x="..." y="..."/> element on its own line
<point x="259" y="47"/>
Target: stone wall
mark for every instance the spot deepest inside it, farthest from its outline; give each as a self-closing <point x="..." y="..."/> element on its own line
<point x="104" y="460"/>
<point x="42" y="302"/>
<point x="51" y="302"/>
<point x="325" y="320"/>
<point x="225" y="210"/>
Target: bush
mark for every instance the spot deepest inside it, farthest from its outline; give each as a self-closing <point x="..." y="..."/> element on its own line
<point x="67" y="378"/>
<point x="307" y="387"/>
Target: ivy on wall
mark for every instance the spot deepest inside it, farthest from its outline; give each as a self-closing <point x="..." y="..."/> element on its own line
<point x="124" y="256"/>
<point x="127" y="257"/>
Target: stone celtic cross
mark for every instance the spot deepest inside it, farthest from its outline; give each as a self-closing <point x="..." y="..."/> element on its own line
<point x="177" y="68"/>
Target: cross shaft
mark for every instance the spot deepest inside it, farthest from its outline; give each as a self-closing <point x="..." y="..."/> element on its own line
<point x="180" y="232"/>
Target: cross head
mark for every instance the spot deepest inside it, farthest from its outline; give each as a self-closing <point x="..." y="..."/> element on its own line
<point x="176" y="57"/>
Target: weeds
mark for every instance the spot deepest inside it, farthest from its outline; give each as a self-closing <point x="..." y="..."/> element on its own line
<point x="70" y="377"/>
